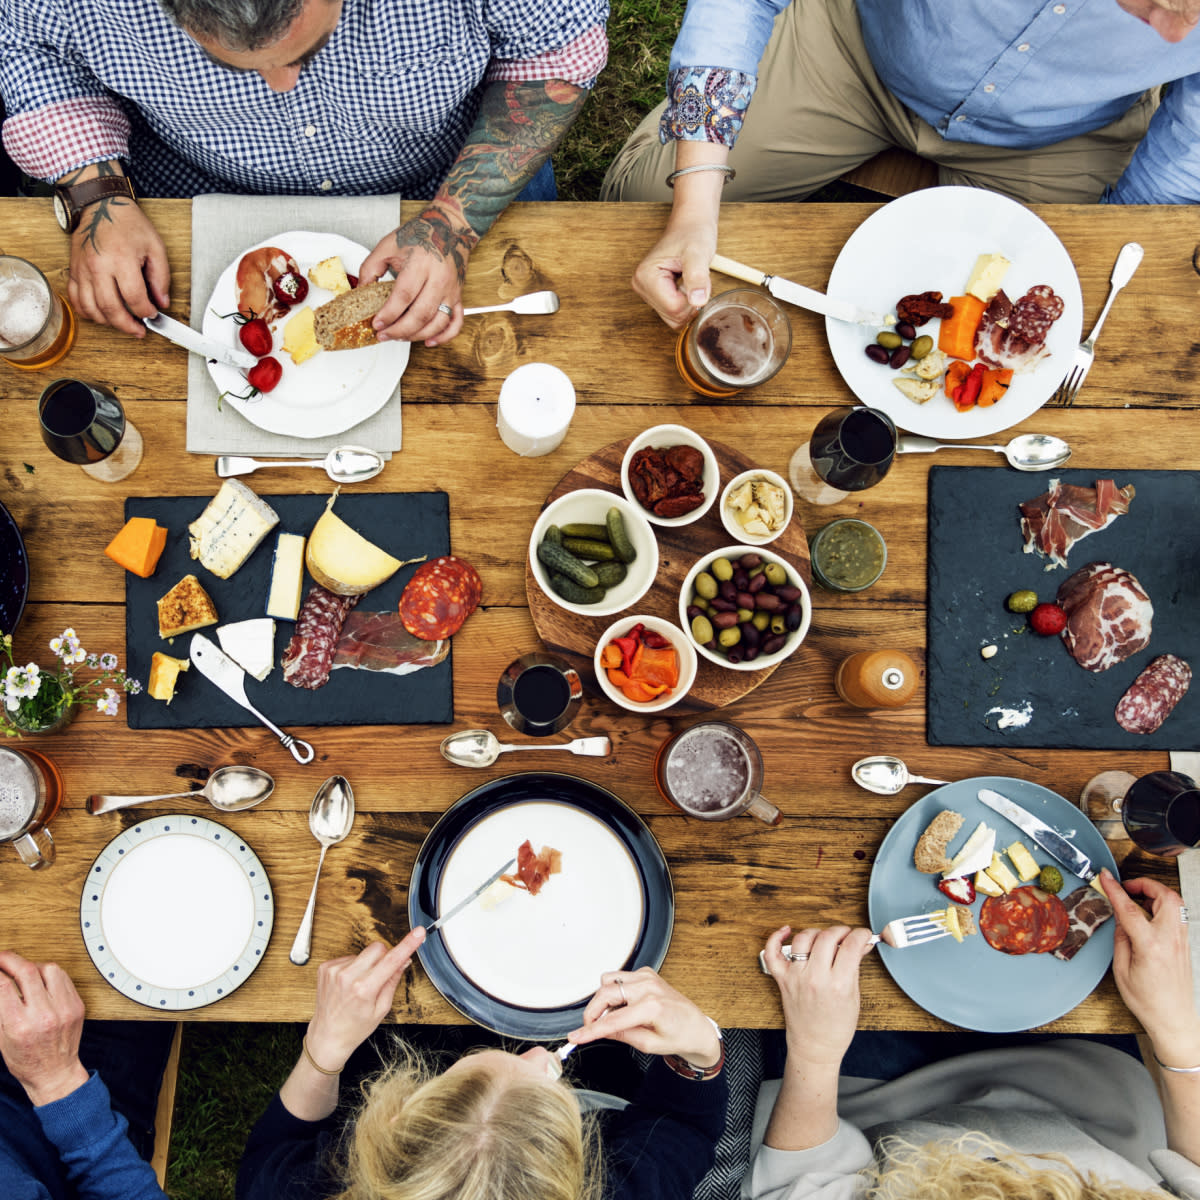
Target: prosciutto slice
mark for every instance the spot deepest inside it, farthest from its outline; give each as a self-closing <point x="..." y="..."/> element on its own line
<point x="1109" y="615"/>
<point x="534" y="869"/>
<point x="256" y="275"/>
<point x="378" y="641"/>
<point x="1054" y="521"/>
<point x="1014" y="335"/>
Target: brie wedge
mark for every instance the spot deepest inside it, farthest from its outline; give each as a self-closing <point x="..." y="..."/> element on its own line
<point x="251" y="644"/>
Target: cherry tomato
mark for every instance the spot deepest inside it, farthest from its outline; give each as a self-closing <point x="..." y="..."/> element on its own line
<point x="256" y="336"/>
<point x="1048" y="619"/>
<point x="352" y="280"/>
<point x="265" y="374"/>
<point x="290" y="288"/>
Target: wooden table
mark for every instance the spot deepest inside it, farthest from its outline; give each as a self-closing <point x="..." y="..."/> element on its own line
<point x="735" y="882"/>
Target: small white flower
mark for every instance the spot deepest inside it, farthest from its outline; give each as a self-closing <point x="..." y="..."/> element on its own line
<point x="93" y="661"/>
<point x="108" y="662"/>
<point x="132" y="686"/>
<point x="109" y="702"/>
<point x="11" y="702"/>
<point x="22" y="682"/>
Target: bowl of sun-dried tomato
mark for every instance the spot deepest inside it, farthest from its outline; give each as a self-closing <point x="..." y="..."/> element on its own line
<point x="671" y="474"/>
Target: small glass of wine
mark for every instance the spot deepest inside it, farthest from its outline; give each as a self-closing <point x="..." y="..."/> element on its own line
<point x="84" y="423"/>
<point x="850" y="450"/>
<point x="539" y="694"/>
<point x="1161" y="813"/>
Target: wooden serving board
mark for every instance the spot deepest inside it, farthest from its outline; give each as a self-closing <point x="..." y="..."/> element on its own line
<point x="679" y="546"/>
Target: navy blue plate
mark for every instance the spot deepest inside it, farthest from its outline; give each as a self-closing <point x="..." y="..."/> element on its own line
<point x="14" y="573"/>
<point x="649" y="864"/>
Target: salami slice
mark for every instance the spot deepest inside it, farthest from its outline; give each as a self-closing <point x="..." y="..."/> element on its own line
<point x="1055" y="922"/>
<point x="309" y="655"/>
<point x="439" y="597"/>
<point x="1153" y="694"/>
<point x="1035" y="312"/>
<point x="1012" y="923"/>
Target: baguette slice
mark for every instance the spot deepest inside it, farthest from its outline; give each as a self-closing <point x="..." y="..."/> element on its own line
<point x="929" y="857"/>
<point x="344" y="323"/>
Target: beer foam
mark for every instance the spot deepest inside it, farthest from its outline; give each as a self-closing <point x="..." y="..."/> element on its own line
<point x="16" y="807"/>
<point x="24" y="308"/>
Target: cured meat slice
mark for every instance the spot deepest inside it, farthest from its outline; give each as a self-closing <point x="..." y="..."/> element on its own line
<point x="309" y="655"/>
<point x="439" y="597"/>
<point x="256" y="275"/>
<point x="534" y="869"/>
<point x="1153" y="694"/>
<point x="1012" y="923"/>
<point x="1053" y="522"/>
<point x="1055" y="922"/>
<point x="1087" y="910"/>
<point x="1014" y="335"/>
<point x="1109" y="615"/>
<point x="378" y="641"/>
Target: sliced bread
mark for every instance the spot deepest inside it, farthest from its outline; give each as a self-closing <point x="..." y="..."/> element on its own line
<point x="344" y="323"/>
<point x="930" y="855"/>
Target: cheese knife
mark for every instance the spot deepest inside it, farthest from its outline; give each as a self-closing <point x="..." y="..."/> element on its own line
<point x="185" y="336"/>
<point x="1049" y="839"/>
<point x="801" y="296"/>
<point x="217" y="667"/>
<point x="483" y="887"/>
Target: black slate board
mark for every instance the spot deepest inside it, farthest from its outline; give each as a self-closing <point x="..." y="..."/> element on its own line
<point x="976" y="559"/>
<point x="406" y="524"/>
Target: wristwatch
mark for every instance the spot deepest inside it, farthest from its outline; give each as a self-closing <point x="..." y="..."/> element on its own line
<point x="70" y="201"/>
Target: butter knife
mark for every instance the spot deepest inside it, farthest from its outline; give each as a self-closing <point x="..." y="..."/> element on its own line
<point x="483" y="887"/>
<point x="185" y="336"/>
<point x="1050" y="840"/>
<point x="799" y="295"/>
<point x="217" y="667"/>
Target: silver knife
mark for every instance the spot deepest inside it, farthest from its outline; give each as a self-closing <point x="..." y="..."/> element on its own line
<point x="483" y="887"/>
<point x="1049" y="839"/>
<point x="185" y="336"/>
<point x="801" y="296"/>
<point x="216" y="666"/>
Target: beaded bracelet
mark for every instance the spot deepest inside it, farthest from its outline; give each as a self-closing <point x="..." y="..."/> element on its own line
<point x="1177" y="1070"/>
<point x="312" y="1062"/>
<point x="730" y="173"/>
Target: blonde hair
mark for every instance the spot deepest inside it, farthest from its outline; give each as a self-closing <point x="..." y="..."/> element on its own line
<point x="468" y="1135"/>
<point x="975" y="1167"/>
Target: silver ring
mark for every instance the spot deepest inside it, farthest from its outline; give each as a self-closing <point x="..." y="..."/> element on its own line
<point x="445" y="308"/>
<point x="621" y="989"/>
<point x="1183" y="914"/>
<point x="795" y="956"/>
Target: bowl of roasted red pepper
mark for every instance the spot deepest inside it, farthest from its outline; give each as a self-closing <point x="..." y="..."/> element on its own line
<point x="644" y="664"/>
<point x="671" y="474"/>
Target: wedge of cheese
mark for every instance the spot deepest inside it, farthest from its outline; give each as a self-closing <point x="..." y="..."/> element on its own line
<point x="330" y="273"/>
<point x="343" y="561"/>
<point x="1001" y="875"/>
<point x="986" y="885"/>
<point x="230" y="528"/>
<point x="164" y="671"/>
<point x="299" y="336"/>
<point x="287" y="577"/>
<point x="251" y="644"/>
<point x="987" y="275"/>
<point x="186" y="607"/>
<point x="1027" y="869"/>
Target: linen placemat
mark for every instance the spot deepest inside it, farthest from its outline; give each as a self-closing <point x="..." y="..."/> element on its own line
<point x="223" y="227"/>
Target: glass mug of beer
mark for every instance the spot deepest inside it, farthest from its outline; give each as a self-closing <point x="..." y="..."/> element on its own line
<point x="738" y="340"/>
<point x="37" y="326"/>
<point x="31" y="792"/>
<point x="713" y="771"/>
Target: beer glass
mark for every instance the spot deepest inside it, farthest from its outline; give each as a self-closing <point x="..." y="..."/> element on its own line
<point x="37" y="325"/>
<point x="713" y="771"/>
<point x="31" y="792"/>
<point x="737" y="340"/>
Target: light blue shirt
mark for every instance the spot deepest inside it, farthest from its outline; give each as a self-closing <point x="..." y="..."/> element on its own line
<point x="1017" y="73"/>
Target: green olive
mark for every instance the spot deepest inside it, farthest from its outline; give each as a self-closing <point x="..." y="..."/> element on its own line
<point x="775" y="573"/>
<point x="889" y="340"/>
<point x="721" y="569"/>
<point x="1022" y="602"/>
<point x="777" y="624"/>
<point x="702" y="629"/>
<point x="729" y="637"/>
<point x="921" y="346"/>
<point x="701" y="603"/>
<point x="745" y="614"/>
<point x="706" y="585"/>
<point x="760" y="620"/>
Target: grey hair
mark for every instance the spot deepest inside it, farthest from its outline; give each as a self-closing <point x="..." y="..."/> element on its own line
<point x="238" y="25"/>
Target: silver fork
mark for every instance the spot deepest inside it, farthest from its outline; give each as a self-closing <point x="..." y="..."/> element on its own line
<point x="1122" y="272"/>
<point x="900" y="933"/>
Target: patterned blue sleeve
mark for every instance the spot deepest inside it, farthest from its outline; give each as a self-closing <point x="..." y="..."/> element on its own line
<point x="1165" y="168"/>
<point x="705" y="104"/>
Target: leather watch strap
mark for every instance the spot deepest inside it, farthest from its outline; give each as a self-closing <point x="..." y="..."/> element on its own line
<point x="77" y="196"/>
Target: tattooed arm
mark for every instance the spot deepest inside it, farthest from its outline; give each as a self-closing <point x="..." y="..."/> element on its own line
<point x="518" y="127"/>
<point x="119" y="269"/>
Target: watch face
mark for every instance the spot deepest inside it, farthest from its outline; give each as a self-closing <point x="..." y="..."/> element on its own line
<point x="62" y="213"/>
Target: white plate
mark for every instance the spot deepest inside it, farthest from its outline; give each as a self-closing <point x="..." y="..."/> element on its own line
<point x="176" y="912"/>
<point x="548" y="950"/>
<point x="331" y="392"/>
<point x="929" y="241"/>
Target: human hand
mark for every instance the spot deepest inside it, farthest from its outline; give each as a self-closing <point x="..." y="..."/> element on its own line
<point x="354" y="994"/>
<point x="673" y="278"/>
<point x="642" y="1010"/>
<point x="119" y="271"/>
<point x="1152" y="965"/>
<point x="41" y="1021"/>
<point x="820" y="994"/>
<point x="428" y="256"/>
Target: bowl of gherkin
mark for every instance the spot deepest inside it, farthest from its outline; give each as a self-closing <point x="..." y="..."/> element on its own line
<point x="593" y="553"/>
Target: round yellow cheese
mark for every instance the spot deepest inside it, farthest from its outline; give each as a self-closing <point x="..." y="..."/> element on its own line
<point x="343" y="561"/>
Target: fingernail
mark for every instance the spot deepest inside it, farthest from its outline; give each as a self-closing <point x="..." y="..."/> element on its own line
<point x="698" y="297"/>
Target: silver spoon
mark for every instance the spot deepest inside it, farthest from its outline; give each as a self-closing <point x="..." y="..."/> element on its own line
<point x="1026" y="452"/>
<point x="345" y="464"/>
<point x="229" y="789"/>
<point x="330" y="819"/>
<point x="481" y="747"/>
<point x="530" y="304"/>
<point x="885" y="775"/>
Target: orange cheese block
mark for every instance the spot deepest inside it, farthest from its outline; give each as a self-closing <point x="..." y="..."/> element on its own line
<point x="138" y="546"/>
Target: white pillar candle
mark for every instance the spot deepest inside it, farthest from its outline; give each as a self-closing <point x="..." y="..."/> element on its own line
<point x="537" y="402"/>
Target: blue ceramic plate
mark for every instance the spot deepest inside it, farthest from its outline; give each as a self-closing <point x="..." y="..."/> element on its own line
<point x="14" y="573"/>
<point x="971" y="984"/>
<point x="525" y="966"/>
<point x="176" y="912"/>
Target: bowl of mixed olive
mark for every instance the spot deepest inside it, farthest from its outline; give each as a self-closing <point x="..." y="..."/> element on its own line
<point x="744" y="607"/>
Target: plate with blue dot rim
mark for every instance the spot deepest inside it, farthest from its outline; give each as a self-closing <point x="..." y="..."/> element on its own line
<point x="176" y="912"/>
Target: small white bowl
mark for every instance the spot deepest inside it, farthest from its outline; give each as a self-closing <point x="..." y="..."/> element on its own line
<point x="673" y="435"/>
<point x="734" y="528"/>
<point x="683" y="647"/>
<point x="764" y="660"/>
<point x="590" y="505"/>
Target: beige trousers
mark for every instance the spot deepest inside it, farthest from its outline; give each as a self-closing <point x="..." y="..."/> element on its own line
<point x="820" y="110"/>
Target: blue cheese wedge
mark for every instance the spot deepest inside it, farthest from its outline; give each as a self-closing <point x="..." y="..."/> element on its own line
<point x="287" y="577"/>
<point x="251" y="644"/>
<point x="228" y="531"/>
